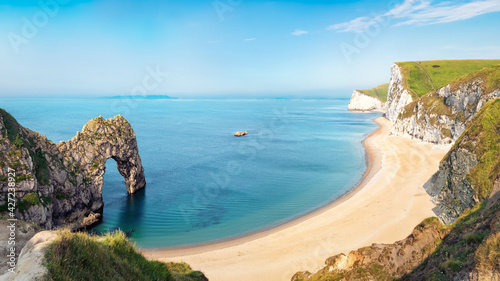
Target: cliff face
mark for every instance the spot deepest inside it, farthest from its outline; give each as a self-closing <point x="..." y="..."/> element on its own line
<point x="362" y="102"/>
<point x="441" y="116"/>
<point x="398" y="95"/>
<point x="59" y="184"/>
<point x="467" y="174"/>
<point x="450" y="189"/>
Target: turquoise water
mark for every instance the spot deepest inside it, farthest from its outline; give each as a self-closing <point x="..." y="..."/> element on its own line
<point x="204" y="184"/>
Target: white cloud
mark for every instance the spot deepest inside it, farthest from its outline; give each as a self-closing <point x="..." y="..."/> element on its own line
<point x="444" y="14"/>
<point x="249" y="39"/>
<point x="422" y="12"/>
<point x="356" y="25"/>
<point x="299" y="32"/>
<point x="407" y="8"/>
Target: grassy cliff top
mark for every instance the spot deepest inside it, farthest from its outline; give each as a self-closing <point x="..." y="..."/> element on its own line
<point x="423" y="77"/>
<point x="79" y="256"/>
<point x="490" y="77"/>
<point x="380" y="92"/>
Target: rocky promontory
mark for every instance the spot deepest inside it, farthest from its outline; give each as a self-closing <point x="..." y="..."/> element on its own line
<point x="360" y="101"/>
<point x="61" y="184"/>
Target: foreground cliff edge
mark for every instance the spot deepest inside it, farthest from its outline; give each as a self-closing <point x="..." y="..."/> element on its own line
<point x="62" y="255"/>
<point x="61" y="184"/>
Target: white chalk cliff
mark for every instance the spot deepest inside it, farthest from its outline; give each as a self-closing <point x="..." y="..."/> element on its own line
<point x="363" y="102"/>
<point x="397" y="96"/>
<point x="441" y="116"/>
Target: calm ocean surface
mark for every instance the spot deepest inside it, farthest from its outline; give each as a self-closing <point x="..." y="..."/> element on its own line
<point x="204" y="184"/>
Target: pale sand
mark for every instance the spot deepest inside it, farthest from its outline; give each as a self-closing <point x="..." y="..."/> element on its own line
<point x="384" y="208"/>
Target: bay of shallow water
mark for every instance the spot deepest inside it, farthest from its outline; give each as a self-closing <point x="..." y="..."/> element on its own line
<point x="204" y="184"/>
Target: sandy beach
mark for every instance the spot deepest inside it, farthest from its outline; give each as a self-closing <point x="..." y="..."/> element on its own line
<point x="384" y="208"/>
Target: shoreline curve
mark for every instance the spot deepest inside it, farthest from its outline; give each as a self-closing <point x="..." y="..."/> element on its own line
<point x="242" y="238"/>
<point x="311" y="234"/>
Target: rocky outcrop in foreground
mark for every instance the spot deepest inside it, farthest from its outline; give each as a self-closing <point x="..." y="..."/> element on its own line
<point x="363" y="102"/>
<point x="61" y="184"/>
<point x="441" y="116"/>
<point x="31" y="262"/>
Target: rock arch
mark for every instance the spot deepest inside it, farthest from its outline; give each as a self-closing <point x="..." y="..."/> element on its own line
<point x="87" y="153"/>
<point x="61" y="184"/>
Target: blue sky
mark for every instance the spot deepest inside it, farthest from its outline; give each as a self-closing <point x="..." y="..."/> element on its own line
<point x="230" y="47"/>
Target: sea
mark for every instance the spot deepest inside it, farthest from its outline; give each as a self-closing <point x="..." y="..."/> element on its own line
<point x="204" y="184"/>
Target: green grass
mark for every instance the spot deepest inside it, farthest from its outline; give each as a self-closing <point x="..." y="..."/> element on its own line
<point x="452" y="265"/>
<point x="379" y="92"/>
<point x="488" y="255"/>
<point x="490" y="76"/>
<point x="42" y="170"/>
<point x="183" y="272"/>
<point x="79" y="256"/>
<point x="423" y="77"/>
<point x="31" y="198"/>
<point x="11" y="125"/>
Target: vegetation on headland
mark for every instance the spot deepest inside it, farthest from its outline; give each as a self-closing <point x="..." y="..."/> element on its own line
<point x="380" y="92"/>
<point x="470" y="246"/>
<point x="423" y="77"/>
<point x="435" y="105"/>
<point x="490" y="76"/>
<point x="80" y="256"/>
